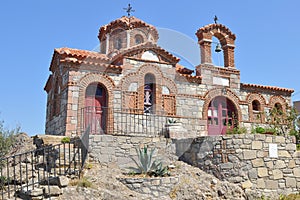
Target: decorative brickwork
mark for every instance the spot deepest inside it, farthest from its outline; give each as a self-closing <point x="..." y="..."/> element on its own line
<point x="278" y="100"/>
<point x="257" y="115"/>
<point x="226" y="38"/>
<point x="210" y="95"/>
<point x="169" y="104"/>
<point x="144" y="81"/>
<point x="84" y="82"/>
<point x="139" y="78"/>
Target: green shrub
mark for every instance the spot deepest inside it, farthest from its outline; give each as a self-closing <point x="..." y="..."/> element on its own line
<point x="84" y="182"/>
<point x="260" y="130"/>
<point x="172" y="121"/>
<point x="7" y="139"/>
<point x="161" y="171"/>
<point x="236" y="130"/>
<point x="3" y="181"/>
<point x="66" y="140"/>
<point x="147" y="165"/>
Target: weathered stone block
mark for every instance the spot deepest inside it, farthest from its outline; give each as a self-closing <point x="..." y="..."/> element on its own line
<point x="290" y="182"/>
<point x="258" y="162"/>
<point x="52" y="191"/>
<point x="247" y="141"/>
<point x="269" y="164"/>
<point x="63" y="181"/>
<point x="290" y="147"/>
<point x="247" y="184"/>
<point x="262" y="154"/>
<point x="262" y="172"/>
<point x="296" y="172"/>
<point x="257" y="145"/>
<point x="261" y="183"/>
<point x="226" y="166"/>
<point x="36" y="192"/>
<point x="277" y="174"/>
<point x="292" y="164"/>
<point x="284" y="154"/>
<point x="260" y="137"/>
<point x="249" y="154"/>
<point x="252" y="174"/>
<point x="280" y="139"/>
<point x="279" y="164"/>
<point x="269" y="139"/>
<point x="271" y="184"/>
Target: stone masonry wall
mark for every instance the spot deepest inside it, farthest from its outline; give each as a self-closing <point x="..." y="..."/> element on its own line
<point x="119" y="149"/>
<point x="265" y="164"/>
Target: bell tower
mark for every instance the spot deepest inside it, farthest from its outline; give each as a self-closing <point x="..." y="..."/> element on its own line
<point x="226" y="76"/>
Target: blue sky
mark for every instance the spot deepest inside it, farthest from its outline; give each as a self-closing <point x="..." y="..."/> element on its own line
<point x="267" y="44"/>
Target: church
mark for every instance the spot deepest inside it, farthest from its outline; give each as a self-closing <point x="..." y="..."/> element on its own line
<point x="132" y="86"/>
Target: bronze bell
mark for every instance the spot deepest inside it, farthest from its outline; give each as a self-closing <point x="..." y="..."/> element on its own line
<point x="218" y="48"/>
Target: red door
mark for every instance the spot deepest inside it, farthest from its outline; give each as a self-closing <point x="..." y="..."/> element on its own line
<point x="220" y="114"/>
<point x="95" y="106"/>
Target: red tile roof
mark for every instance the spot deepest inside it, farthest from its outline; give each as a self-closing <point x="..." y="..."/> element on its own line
<point x="247" y="85"/>
<point x="147" y="45"/>
<point x="81" y="53"/>
<point x="209" y="27"/>
<point x="126" y="23"/>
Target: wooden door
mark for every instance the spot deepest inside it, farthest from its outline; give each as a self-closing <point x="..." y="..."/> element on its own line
<point x="95" y="105"/>
<point x="220" y="116"/>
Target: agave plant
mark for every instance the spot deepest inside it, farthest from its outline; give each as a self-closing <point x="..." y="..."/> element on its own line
<point x="146" y="164"/>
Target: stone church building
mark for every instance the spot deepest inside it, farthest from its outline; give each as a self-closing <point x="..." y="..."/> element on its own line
<point x="135" y="87"/>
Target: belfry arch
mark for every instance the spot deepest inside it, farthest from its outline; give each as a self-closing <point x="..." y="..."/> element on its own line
<point x="226" y="39"/>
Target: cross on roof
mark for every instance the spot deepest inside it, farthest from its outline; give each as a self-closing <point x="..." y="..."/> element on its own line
<point x="216" y="19"/>
<point x="129" y="10"/>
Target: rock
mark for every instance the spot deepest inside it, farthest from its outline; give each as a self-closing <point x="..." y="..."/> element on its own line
<point x="63" y="181"/>
<point x="52" y="191"/>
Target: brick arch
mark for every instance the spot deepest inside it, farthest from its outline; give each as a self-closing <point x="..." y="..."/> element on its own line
<point x="226" y="38"/>
<point x="252" y="97"/>
<point x="138" y="31"/>
<point x="138" y="96"/>
<point x="210" y="95"/>
<point x="84" y="82"/>
<point x="277" y="99"/>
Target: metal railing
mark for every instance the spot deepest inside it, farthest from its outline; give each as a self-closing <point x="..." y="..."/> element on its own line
<point x="131" y="122"/>
<point x="24" y="172"/>
<point x="103" y="120"/>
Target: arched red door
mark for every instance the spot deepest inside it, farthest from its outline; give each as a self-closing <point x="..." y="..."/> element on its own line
<point x="96" y="108"/>
<point x="220" y="115"/>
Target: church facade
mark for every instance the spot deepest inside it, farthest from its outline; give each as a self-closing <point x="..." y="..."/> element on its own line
<point x="134" y="87"/>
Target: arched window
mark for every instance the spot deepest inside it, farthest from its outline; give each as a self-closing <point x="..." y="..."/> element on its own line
<point x="255" y="105"/>
<point x="118" y="43"/>
<point x="149" y="93"/>
<point x="256" y="111"/>
<point x="94" y="90"/>
<point x="278" y="108"/>
<point x="138" y="39"/>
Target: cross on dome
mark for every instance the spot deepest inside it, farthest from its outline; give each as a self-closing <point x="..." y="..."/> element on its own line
<point x="129" y="10"/>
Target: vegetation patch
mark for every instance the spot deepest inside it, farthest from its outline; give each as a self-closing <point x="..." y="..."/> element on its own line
<point x="146" y="165"/>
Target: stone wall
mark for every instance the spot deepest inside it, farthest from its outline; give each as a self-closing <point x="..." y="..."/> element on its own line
<point x="265" y="164"/>
<point x="119" y="149"/>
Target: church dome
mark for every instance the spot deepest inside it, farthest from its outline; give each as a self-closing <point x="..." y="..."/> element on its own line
<point x="125" y="32"/>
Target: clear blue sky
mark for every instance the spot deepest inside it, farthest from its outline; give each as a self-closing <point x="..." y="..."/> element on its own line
<point x="267" y="45"/>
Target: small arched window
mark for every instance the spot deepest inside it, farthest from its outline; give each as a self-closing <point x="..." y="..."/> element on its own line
<point x="149" y="93"/>
<point x="138" y="39"/>
<point x="278" y="108"/>
<point x="118" y="43"/>
<point x="255" y="105"/>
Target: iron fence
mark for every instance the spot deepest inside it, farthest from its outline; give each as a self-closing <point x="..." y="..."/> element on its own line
<point x="132" y="122"/>
<point x="103" y="120"/>
<point x="24" y="172"/>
